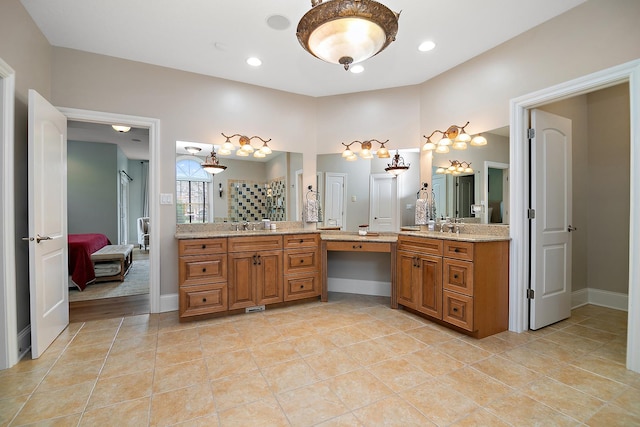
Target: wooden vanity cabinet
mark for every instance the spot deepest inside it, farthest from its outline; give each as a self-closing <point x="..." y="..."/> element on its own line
<point x="202" y="275"/>
<point x="255" y="271"/>
<point x="419" y="269"/>
<point x="301" y="266"/>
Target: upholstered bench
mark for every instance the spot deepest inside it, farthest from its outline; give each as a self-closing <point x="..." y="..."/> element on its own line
<point x="112" y="262"/>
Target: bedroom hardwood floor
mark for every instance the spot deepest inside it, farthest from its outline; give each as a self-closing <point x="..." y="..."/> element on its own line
<point x="84" y="311"/>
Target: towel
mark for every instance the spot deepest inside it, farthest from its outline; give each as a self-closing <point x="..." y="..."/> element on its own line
<point x="311" y="208"/>
<point x="421" y="212"/>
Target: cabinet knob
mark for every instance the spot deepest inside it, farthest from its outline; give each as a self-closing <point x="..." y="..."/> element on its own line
<point x="357" y="246"/>
<point x="301" y="241"/>
<point x="301" y="261"/>
<point x="455" y="309"/>
<point x="204" y="300"/>
<point x="204" y="270"/>
<point x="204" y="246"/>
<point x="455" y="276"/>
<point x="456" y="250"/>
<point x="301" y="286"/>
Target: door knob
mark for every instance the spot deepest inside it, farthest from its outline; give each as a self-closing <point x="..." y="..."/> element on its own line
<point x="570" y="229"/>
<point x="37" y="239"/>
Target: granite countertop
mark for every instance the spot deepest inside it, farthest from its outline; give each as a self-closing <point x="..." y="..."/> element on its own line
<point x="462" y="237"/>
<point x="207" y="234"/>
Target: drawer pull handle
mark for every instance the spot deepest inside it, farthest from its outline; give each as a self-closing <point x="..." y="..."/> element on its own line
<point x="204" y="300"/>
<point x="204" y="246"/>
<point x="301" y="261"/>
<point x="455" y="276"/>
<point x="456" y="250"/>
<point x="357" y="246"/>
<point x="204" y="270"/>
<point x="301" y="241"/>
<point x="301" y="286"/>
<point x="455" y="309"/>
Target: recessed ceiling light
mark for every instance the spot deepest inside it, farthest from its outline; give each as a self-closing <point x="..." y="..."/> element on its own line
<point x="120" y="128"/>
<point x="278" y="22"/>
<point x="426" y="46"/>
<point x="356" y="69"/>
<point x="254" y="62"/>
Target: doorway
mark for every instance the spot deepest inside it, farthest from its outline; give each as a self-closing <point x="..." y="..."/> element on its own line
<point x="519" y="189"/>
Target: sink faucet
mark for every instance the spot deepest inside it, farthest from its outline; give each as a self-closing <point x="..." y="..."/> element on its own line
<point x="245" y="226"/>
<point x="458" y="224"/>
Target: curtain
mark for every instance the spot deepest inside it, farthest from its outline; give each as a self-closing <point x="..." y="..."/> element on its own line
<point x="144" y="173"/>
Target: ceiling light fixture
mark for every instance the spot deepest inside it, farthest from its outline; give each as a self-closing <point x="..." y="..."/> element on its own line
<point x="357" y="69"/>
<point x="121" y="128"/>
<point x="455" y="137"/>
<point x="426" y="46"/>
<point x="193" y="150"/>
<point x="347" y="31"/>
<point x="245" y="146"/>
<point x="211" y="163"/>
<point x="365" y="150"/>
<point x="397" y="165"/>
<point x="254" y="62"/>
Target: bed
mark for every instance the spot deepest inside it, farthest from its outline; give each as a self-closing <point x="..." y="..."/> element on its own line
<point x="81" y="246"/>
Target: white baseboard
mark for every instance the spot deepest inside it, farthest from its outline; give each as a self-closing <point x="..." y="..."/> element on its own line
<point x="24" y="341"/>
<point x="599" y="297"/>
<point x="169" y="302"/>
<point x="364" y="287"/>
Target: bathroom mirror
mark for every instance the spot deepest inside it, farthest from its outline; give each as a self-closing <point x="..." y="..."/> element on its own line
<point x="249" y="189"/>
<point x="481" y="196"/>
<point x="361" y="192"/>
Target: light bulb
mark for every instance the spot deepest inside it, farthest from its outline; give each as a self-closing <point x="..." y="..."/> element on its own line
<point x="442" y="149"/>
<point x="428" y="146"/>
<point x="444" y="141"/>
<point x="459" y="145"/>
<point x="479" y="140"/>
<point x="347" y="153"/>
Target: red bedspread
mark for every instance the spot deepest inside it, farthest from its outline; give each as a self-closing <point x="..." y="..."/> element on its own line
<point x="81" y="246"/>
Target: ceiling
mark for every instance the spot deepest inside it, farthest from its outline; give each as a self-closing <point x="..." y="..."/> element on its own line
<point x="215" y="37"/>
<point x="134" y="144"/>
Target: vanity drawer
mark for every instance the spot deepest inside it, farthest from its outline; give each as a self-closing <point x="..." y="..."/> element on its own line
<point x="458" y="250"/>
<point x="420" y="244"/>
<point x="202" y="246"/>
<point x="299" y="287"/>
<point x="301" y="260"/>
<point x="359" y="246"/>
<point x="458" y="310"/>
<point x="203" y="299"/>
<point x="202" y="269"/>
<point x="457" y="276"/>
<point x="301" y="240"/>
<point x="254" y="243"/>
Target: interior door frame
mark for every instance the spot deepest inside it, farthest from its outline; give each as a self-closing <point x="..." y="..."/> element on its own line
<point x="8" y="308"/>
<point x="154" y="183"/>
<point x="519" y="191"/>
<point x="485" y="190"/>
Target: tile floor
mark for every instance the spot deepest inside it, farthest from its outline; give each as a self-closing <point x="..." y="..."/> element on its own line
<point x="350" y="362"/>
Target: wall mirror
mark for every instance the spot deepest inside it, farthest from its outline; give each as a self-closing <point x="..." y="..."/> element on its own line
<point x="481" y="196"/>
<point x="361" y="192"/>
<point x="249" y="189"/>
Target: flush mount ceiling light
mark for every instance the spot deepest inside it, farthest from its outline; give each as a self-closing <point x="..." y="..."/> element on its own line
<point x="365" y="150"/>
<point x="245" y="146"/>
<point x="121" y="128"/>
<point x="397" y="165"/>
<point x="456" y="168"/>
<point x="211" y="163"/>
<point x="347" y="31"/>
<point x="455" y="137"/>
<point x="193" y="150"/>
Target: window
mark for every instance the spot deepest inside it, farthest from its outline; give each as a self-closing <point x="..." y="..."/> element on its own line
<point x="192" y="192"/>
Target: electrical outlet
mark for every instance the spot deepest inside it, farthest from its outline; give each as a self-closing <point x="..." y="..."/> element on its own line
<point x="255" y="309"/>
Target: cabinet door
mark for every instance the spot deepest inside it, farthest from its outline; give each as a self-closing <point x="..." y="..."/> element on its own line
<point x="430" y="286"/>
<point x="203" y="299"/>
<point x="306" y="260"/>
<point x="242" y="278"/>
<point x="458" y="276"/>
<point x="301" y="286"/>
<point x="269" y="288"/>
<point x="194" y="270"/>
<point x="406" y="278"/>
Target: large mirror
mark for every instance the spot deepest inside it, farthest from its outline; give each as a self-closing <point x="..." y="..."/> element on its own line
<point x="249" y="189"/>
<point x="482" y="195"/>
<point x="360" y="192"/>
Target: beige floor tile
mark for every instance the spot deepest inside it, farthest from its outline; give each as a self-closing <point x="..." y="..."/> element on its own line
<point x="274" y="353"/>
<point x="391" y="411"/>
<point x="281" y="317"/>
<point x="346" y="420"/>
<point x="20" y="383"/>
<point x="239" y="390"/>
<point x="376" y="328"/>
<point x="492" y="344"/>
<point x="506" y="371"/>
<point x="96" y="325"/>
<point x="173" y="338"/>
<point x="132" y="413"/>
<point x="178" y="354"/>
<point x="587" y="382"/>
<point x="563" y="398"/>
<point x="346" y="336"/>
<point x="554" y="350"/>
<point x="54" y="404"/>
<point x="400" y="343"/>
<point x="171" y="377"/>
<point x="480" y="418"/>
<point x="514" y="338"/>
<point x="572" y="341"/>
<point x="216" y="331"/>
<point x="332" y="363"/>
<point x="261" y="336"/>
<point x="433" y="362"/>
<point x="301" y="328"/>
<point x="183" y="404"/>
<point x="311" y="405"/>
<point x="614" y="326"/>
<point x="134" y="344"/>
<point x="520" y="410"/>
<point x="92" y="337"/>
<point x="358" y="388"/>
<point x="84" y="353"/>
<point x="532" y="360"/>
<point x="66" y="375"/>
<point x="439" y="402"/>
<point x="212" y="346"/>
<point x="401" y="320"/>
<point x="615" y="351"/>
<point x="39" y="366"/>
<point x="629" y="400"/>
<point x="462" y="351"/>
<point x="590" y="333"/>
<point x="479" y="387"/>
<point x="128" y="363"/>
<point x="266" y="412"/>
<point x="310" y="345"/>
<point x="9" y="407"/>
<point x="149" y="320"/>
<point x="290" y="375"/>
<point x="170" y="322"/>
<point x="369" y="352"/>
<point x="109" y="391"/>
<point x="613" y="416"/>
<point x="609" y="369"/>
<point x="399" y="374"/>
<point x="229" y="364"/>
<point x="206" y="421"/>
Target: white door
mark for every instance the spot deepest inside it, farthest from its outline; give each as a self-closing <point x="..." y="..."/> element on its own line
<point x="465" y="186"/>
<point x="48" y="270"/>
<point x="551" y="227"/>
<point x="439" y="193"/>
<point x="383" y="206"/>
<point x="334" y="197"/>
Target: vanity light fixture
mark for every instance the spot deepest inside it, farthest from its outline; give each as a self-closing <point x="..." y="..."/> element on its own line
<point x="211" y="163"/>
<point x="193" y="150"/>
<point x="455" y="137"/>
<point x="346" y="32"/>
<point x="245" y="146"/>
<point x="121" y="128"/>
<point x="397" y="165"/>
<point x="366" y="148"/>
<point x="456" y="168"/>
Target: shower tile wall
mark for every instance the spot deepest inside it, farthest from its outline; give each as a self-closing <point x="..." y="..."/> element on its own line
<point x="249" y="200"/>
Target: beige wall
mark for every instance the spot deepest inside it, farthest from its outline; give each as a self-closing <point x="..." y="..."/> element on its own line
<point x="25" y="49"/>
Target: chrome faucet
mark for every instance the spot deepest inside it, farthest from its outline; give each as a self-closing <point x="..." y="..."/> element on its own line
<point x="245" y="226"/>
